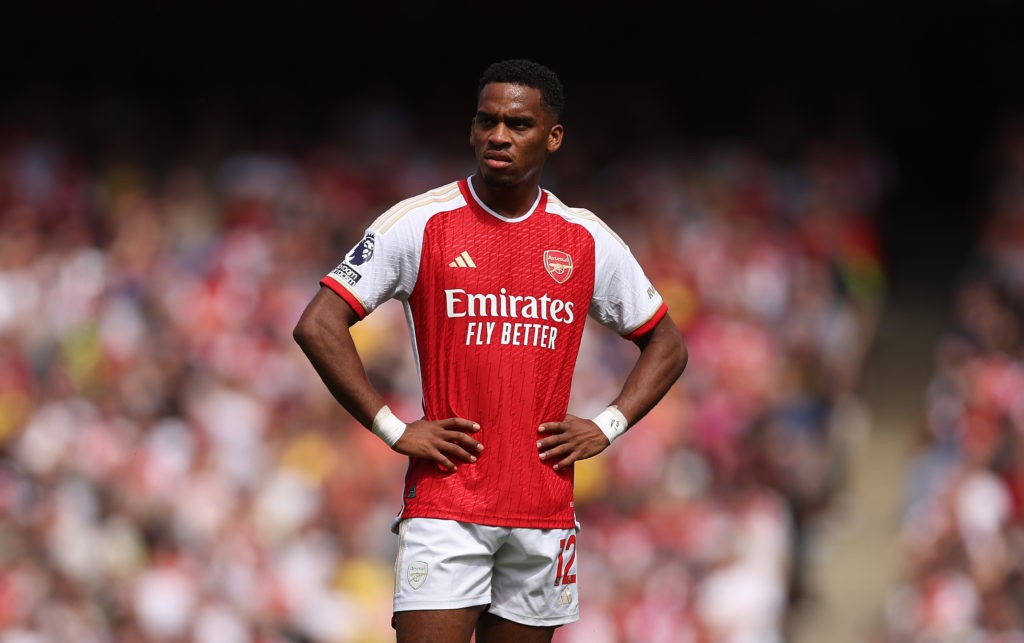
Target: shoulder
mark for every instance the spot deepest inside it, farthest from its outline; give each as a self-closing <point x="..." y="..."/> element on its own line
<point x="419" y="208"/>
<point x="583" y="217"/>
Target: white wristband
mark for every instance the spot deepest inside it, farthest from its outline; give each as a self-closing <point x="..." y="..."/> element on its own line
<point x="612" y="422"/>
<point x="387" y="426"/>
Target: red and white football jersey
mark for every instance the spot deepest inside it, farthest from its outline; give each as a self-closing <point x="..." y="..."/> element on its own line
<point x="496" y="310"/>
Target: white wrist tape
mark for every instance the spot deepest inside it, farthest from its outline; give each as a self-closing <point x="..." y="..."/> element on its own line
<point x="612" y="422"/>
<point x="387" y="426"/>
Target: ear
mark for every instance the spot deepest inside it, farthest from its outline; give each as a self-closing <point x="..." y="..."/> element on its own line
<point x="555" y="138"/>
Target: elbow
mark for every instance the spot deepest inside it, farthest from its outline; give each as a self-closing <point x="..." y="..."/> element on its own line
<point x="320" y="323"/>
<point x="682" y="357"/>
<point x="304" y="332"/>
<point x="667" y="344"/>
<point x="677" y="354"/>
<point x="299" y="333"/>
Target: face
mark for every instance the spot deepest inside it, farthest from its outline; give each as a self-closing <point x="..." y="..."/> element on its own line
<point x="512" y="135"/>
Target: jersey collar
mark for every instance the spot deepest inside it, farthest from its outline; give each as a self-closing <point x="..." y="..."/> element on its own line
<point x="483" y="206"/>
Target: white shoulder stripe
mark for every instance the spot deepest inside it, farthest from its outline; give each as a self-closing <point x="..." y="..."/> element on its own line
<point x="573" y="214"/>
<point x="442" y="194"/>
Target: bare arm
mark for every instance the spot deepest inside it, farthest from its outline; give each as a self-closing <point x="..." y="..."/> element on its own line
<point x="663" y="357"/>
<point x="324" y="336"/>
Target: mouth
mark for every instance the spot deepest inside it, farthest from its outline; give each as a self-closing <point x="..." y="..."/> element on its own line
<point x="497" y="160"/>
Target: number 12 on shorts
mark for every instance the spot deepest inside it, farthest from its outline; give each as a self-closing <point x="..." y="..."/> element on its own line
<point x="563" y="575"/>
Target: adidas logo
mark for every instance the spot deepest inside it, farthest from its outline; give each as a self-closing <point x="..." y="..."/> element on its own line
<point x="463" y="261"/>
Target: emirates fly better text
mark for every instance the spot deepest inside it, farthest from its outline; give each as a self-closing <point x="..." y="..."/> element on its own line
<point x="459" y="303"/>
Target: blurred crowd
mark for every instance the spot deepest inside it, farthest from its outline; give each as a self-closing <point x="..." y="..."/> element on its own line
<point x="172" y="470"/>
<point x="961" y="534"/>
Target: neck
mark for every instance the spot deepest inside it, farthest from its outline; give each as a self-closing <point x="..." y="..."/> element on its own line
<point x="511" y="202"/>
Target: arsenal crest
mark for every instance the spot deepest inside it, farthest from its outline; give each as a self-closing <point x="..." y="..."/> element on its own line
<point x="417" y="574"/>
<point x="558" y="264"/>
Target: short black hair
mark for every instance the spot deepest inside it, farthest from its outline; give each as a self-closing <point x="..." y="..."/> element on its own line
<point x="520" y="71"/>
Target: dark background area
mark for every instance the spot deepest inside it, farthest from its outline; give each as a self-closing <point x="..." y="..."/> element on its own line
<point x="928" y="83"/>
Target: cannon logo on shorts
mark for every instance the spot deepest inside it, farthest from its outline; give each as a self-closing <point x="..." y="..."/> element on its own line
<point x="417" y="574"/>
<point x="558" y="264"/>
<point x="565" y="597"/>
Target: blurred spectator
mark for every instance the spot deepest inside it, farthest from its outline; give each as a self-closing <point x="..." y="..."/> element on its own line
<point x="963" y="526"/>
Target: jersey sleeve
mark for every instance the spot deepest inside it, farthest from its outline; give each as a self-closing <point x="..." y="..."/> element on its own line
<point x="381" y="266"/>
<point x="624" y="299"/>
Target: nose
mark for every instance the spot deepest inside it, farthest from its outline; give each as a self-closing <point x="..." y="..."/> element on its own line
<point x="499" y="135"/>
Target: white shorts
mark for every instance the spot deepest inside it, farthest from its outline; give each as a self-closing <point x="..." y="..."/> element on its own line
<point x="526" y="575"/>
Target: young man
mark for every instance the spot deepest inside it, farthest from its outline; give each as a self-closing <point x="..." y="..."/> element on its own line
<point x="497" y="277"/>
